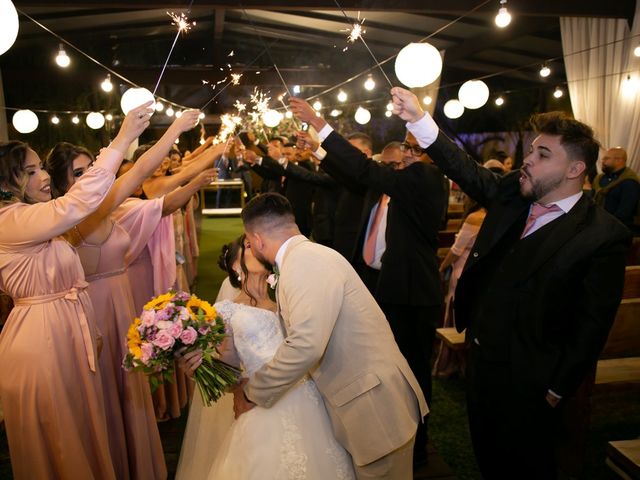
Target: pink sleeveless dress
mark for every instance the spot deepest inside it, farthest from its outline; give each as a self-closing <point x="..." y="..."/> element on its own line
<point x="133" y="433"/>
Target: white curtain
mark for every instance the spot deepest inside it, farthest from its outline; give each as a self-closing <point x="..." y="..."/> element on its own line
<point x="604" y="83"/>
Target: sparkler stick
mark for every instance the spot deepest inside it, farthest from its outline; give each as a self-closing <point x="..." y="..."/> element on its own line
<point x="183" y="25"/>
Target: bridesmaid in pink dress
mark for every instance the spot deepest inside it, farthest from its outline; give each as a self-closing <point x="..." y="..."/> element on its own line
<point x="153" y="270"/>
<point x="50" y="385"/>
<point x="105" y="249"/>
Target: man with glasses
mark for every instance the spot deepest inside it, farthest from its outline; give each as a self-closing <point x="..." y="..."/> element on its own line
<point x="397" y="241"/>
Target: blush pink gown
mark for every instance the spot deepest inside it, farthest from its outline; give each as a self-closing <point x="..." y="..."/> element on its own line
<point x="133" y="433"/>
<point x="50" y="387"/>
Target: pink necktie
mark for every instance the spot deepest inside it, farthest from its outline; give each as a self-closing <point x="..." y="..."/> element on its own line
<point x="536" y="212"/>
<point x="369" y="250"/>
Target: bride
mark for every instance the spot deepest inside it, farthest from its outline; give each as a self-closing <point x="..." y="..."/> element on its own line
<point x="291" y="440"/>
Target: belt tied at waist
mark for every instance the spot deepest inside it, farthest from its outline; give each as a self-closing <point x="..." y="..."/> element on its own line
<point x="72" y="296"/>
<point x="98" y="276"/>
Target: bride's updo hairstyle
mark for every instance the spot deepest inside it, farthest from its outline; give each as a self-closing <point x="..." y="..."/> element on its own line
<point x="228" y="257"/>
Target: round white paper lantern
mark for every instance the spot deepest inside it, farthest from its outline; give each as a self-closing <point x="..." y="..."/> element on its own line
<point x="362" y="116"/>
<point x="418" y="65"/>
<point x="271" y="118"/>
<point x="95" y="120"/>
<point x="25" y="121"/>
<point x="473" y="94"/>
<point x="9" y="25"/>
<point x="453" y="109"/>
<point x="134" y="97"/>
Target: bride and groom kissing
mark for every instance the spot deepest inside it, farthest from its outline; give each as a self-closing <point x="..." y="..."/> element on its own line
<point x="327" y="393"/>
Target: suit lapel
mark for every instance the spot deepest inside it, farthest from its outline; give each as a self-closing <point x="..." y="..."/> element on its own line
<point x="559" y="232"/>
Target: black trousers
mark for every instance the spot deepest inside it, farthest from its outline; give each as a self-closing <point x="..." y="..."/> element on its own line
<point x="414" y="329"/>
<point x="513" y="428"/>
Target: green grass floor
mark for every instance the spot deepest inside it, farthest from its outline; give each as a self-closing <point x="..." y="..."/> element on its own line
<point x="615" y="413"/>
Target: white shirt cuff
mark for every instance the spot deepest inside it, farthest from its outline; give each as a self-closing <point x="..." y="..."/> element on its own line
<point x="325" y="132"/>
<point x="425" y="130"/>
<point x="259" y="161"/>
<point x="320" y="153"/>
<point x="554" y="394"/>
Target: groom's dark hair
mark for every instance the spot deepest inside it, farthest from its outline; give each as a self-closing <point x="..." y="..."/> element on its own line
<point x="267" y="211"/>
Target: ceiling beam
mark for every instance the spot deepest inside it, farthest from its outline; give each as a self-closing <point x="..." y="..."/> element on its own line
<point x="553" y="8"/>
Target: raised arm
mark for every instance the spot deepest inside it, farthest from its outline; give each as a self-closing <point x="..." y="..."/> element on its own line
<point x="181" y="195"/>
<point x="479" y="183"/>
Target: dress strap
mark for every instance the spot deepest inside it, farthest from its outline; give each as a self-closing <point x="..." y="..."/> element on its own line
<point x="72" y="296"/>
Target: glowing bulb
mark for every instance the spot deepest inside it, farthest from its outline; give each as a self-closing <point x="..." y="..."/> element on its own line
<point x="503" y="18"/>
<point x="201" y="116"/>
<point x="636" y="51"/>
<point x="545" y="71"/>
<point x="335" y="113"/>
<point x="271" y="118"/>
<point x="159" y="106"/>
<point x="296" y="89"/>
<point x="362" y="116"/>
<point x="629" y="87"/>
<point x="288" y="114"/>
<point x="389" y="106"/>
<point x="177" y="141"/>
<point x="317" y="105"/>
<point x="499" y="101"/>
<point x="108" y="117"/>
<point x="453" y="109"/>
<point x="75" y="120"/>
<point x="369" y="84"/>
<point x="388" y="113"/>
<point x="62" y="59"/>
<point x="558" y="92"/>
<point x="25" y="121"/>
<point x="342" y="96"/>
<point x="169" y="111"/>
<point x="134" y="97"/>
<point x="95" y="120"/>
<point x="473" y="94"/>
<point x="178" y="113"/>
<point x="202" y="140"/>
<point x="9" y="25"/>
<point x="427" y="100"/>
<point x="106" y="85"/>
<point x="55" y="120"/>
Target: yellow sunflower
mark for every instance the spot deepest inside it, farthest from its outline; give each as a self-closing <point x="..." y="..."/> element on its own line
<point x="195" y="304"/>
<point x="159" y="302"/>
<point x="133" y="339"/>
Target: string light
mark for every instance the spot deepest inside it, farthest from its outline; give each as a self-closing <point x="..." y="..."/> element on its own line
<point x="108" y="117"/>
<point x="369" y="83"/>
<point x="75" y="120"/>
<point x="499" y="101"/>
<point x="169" y="112"/>
<point x="636" y="51"/>
<point x="317" y="105"/>
<point x="159" y="106"/>
<point x="545" y="71"/>
<point x="296" y="89"/>
<point x="388" y="114"/>
<point x="55" y="120"/>
<point x="62" y="59"/>
<point x="288" y="114"/>
<point x="427" y="100"/>
<point x="558" y="92"/>
<point x="342" y="96"/>
<point x="335" y="113"/>
<point x="389" y="107"/>
<point x="178" y="113"/>
<point x="106" y="85"/>
<point x="503" y="18"/>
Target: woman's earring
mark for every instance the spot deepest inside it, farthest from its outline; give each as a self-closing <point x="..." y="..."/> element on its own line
<point x="239" y="276"/>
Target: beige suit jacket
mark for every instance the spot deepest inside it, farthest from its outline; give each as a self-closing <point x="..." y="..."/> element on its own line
<point x="336" y="332"/>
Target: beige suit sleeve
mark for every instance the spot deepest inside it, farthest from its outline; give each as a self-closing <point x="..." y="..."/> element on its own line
<point x="24" y="224"/>
<point x="312" y="309"/>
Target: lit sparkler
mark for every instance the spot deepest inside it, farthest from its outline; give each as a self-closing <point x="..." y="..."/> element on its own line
<point x="182" y="22"/>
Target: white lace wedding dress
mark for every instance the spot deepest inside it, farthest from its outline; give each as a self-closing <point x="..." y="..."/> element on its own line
<point x="293" y="439"/>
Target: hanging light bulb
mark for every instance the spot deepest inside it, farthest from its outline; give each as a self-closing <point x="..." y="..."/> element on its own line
<point x="25" y="121"/>
<point x="342" y="96"/>
<point x="427" y="100"/>
<point x="503" y="18"/>
<point x="636" y="51"/>
<point x="9" y="25"/>
<point x="178" y="113"/>
<point x="317" y="105"/>
<point x="499" y="101"/>
<point x="296" y="89"/>
<point x="389" y="107"/>
<point x="453" y="109"/>
<point x="55" y="120"/>
<point x="545" y="71"/>
<point x="201" y="116"/>
<point x="473" y="94"/>
<point x="369" y="83"/>
<point x="388" y="113"/>
<point x="629" y="87"/>
<point x="108" y="117"/>
<point x="362" y="116"/>
<point x="335" y="113"/>
<point x="159" y="106"/>
<point x="169" y="111"/>
<point x="62" y="59"/>
<point x="95" y="120"/>
<point x="558" y="92"/>
<point x="106" y="85"/>
<point x="75" y="120"/>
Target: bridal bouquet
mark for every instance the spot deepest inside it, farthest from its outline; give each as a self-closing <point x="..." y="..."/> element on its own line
<point x="169" y="323"/>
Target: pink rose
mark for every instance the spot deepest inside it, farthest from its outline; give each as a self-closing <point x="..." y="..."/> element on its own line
<point x="183" y="314"/>
<point x="164" y="340"/>
<point x="189" y="336"/>
<point x="204" y="330"/>
<point x="272" y="280"/>
<point x="148" y="318"/>
<point x="175" y="330"/>
<point x="164" y="324"/>
<point x="147" y="352"/>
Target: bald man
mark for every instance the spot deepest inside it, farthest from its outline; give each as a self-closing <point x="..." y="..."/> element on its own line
<point x="617" y="188"/>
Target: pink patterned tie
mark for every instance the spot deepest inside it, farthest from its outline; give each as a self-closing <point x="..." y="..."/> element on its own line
<point x="536" y="212"/>
<point x="369" y="250"/>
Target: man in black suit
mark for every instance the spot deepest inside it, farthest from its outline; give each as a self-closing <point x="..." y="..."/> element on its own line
<point x="397" y="243"/>
<point x="539" y="292"/>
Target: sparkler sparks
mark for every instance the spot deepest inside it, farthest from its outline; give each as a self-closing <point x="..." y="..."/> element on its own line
<point x="235" y="78"/>
<point x="355" y="33"/>
<point x="181" y="21"/>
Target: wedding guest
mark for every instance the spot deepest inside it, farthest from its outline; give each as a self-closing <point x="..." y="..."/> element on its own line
<point x="539" y="292"/>
<point x="106" y="249"/>
<point x="50" y="384"/>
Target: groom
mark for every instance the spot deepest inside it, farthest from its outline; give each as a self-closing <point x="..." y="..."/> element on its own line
<point x="336" y="333"/>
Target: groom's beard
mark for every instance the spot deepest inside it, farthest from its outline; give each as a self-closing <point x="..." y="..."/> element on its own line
<point x="261" y="258"/>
